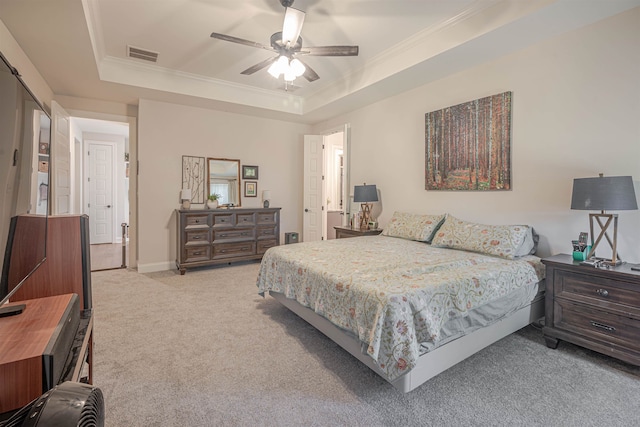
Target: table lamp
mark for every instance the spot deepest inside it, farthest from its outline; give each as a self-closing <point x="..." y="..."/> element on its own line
<point x="365" y="194"/>
<point x="266" y="197"/>
<point x="185" y="196"/>
<point x="604" y="194"/>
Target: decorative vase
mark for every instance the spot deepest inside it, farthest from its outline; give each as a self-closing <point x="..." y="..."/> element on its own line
<point x="212" y="204"/>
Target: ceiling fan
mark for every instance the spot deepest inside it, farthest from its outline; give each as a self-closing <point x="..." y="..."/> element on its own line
<point x="288" y="46"/>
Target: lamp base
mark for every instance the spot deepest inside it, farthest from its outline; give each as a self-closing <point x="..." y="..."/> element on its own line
<point x="366" y="215"/>
<point x="598" y="218"/>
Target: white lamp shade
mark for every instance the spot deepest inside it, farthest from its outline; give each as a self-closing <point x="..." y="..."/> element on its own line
<point x="266" y="195"/>
<point x="185" y="194"/>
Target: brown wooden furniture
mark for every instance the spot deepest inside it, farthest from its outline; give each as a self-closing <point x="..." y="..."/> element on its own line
<point x="344" y="232"/>
<point x="67" y="268"/>
<point x="27" y="337"/>
<point x="594" y="308"/>
<point x="218" y="236"/>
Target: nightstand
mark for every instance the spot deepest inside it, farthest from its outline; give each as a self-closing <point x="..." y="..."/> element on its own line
<point x="594" y="308"/>
<point x="344" y="232"/>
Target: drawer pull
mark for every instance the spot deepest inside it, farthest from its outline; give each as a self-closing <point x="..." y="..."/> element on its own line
<point x="223" y="235"/>
<point x="197" y="253"/>
<point x="603" y="292"/>
<point x="602" y="326"/>
<point x="244" y="249"/>
<point x="197" y="221"/>
<point x="196" y="237"/>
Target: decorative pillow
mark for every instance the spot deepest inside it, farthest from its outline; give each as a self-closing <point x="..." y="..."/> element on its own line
<point x="413" y="226"/>
<point x="506" y="241"/>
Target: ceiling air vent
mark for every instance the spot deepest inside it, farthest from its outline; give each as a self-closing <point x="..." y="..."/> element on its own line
<point x="146" y="55"/>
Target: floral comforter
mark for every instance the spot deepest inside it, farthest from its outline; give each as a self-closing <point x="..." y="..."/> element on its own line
<point x="392" y="293"/>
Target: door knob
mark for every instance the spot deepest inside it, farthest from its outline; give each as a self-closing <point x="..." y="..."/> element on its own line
<point x="108" y="206"/>
<point x="306" y="210"/>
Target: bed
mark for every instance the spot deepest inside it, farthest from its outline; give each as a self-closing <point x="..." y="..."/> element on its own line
<point x="412" y="304"/>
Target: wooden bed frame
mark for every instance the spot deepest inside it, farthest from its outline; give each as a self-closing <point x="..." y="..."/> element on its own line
<point x="434" y="362"/>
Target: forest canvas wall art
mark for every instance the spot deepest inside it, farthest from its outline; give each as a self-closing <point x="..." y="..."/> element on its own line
<point x="468" y="146"/>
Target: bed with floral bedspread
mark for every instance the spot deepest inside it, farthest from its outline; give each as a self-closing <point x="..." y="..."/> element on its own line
<point x="392" y="293"/>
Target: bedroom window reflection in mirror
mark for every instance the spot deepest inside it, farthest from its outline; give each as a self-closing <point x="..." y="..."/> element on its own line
<point x="224" y="180"/>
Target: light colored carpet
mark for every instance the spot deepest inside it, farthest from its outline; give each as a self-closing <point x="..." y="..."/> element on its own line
<point x="204" y="349"/>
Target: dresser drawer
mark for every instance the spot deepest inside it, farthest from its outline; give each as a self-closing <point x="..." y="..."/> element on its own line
<point x="234" y="234"/>
<point x="197" y="220"/>
<point x="222" y="220"/>
<point x="263" y="245"/>
<point x="616" y="295"/>
<point x="245" y="219"/>
<point x="197" y="253"/>
<point x="590" y="322"/>
<point x="266" y="218"/>
<point x="233" y="250"/>
<point x="196" y="236"/>
<point x="266" y="232"/>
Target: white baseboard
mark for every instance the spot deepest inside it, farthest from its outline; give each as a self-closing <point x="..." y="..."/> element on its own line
<point x="156" y="266"/>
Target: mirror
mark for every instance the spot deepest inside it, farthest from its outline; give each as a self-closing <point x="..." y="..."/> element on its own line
<point x="224" y="180"/>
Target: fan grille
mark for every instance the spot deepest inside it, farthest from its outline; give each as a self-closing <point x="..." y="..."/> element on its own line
<point x="92" y="414"/>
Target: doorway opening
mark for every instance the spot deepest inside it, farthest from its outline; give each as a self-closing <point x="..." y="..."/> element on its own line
<point x="326" y="183"/>
<point x="100" y="187"/>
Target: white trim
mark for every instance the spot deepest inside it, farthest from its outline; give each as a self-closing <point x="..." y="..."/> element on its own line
<point x="156" y="266"/>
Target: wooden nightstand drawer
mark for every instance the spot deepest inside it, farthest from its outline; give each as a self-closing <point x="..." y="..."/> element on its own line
<point x="233" y="250"/>
<point x="602" y="292"/>
<point x="597" y="324"/>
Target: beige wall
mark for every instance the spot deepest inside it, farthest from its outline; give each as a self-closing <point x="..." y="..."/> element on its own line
<point x="18" y="59"/>
<point x="576" y="112"/>
<point x="168" y="131"/>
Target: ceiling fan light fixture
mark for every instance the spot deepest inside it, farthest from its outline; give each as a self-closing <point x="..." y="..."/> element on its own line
<point x="279" y="67"/>
<point x="289" y="75"/>
<point x="297" y="67"/>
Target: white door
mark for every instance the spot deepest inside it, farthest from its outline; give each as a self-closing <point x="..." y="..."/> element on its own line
<point x="60" y="155"/>
<point x="100" y="183"/>
<point x="313" y="223"/>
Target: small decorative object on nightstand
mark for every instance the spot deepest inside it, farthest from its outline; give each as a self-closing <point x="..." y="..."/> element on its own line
<point x="343" y="232"/>
<point x="596" y="308"/>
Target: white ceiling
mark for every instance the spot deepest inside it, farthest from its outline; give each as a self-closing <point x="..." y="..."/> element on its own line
<point x="80" y="47"/>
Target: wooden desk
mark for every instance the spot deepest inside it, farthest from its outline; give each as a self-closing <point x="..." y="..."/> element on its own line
<point x="26" y="337"/>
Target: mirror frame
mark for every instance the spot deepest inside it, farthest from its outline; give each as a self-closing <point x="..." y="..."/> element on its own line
<point x="237" y="161"/>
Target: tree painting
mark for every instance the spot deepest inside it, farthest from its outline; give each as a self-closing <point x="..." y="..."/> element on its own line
<point x="193" y="177"/>
<point x="468" y="146"/>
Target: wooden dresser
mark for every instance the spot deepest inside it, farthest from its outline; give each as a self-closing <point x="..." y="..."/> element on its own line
<point x="594" y="308"/>
<point x="343" y="232"/>
<point x="217" y="236"/>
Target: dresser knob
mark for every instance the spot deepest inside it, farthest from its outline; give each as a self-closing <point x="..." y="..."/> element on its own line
<point x="603" y="292"/>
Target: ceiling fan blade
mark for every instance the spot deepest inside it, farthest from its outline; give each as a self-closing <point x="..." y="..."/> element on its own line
<point x="292" y="26"/>
<point x="309" y="74"/>
<point x="330" y="51"/>
<point x="240" y="41"/>
<point x="259" y="66"/>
